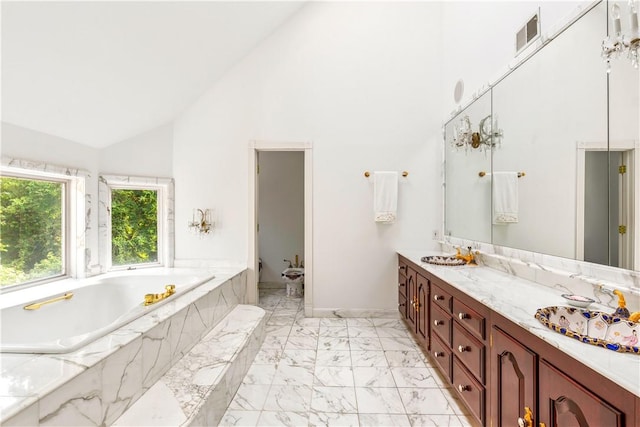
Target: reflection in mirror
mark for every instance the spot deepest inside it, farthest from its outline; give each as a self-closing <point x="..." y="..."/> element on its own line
<point x="549" y="105"/>
<point x="467" y="153"/>
<point x="624" y="156"/>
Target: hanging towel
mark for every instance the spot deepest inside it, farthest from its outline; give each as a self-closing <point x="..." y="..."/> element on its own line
<point x="385" y="196"/>
<point x="505" y="197"/>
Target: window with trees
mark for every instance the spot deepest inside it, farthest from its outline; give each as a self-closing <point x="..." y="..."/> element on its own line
<point x="33" y="217"/>
<point x="137" y="216"/>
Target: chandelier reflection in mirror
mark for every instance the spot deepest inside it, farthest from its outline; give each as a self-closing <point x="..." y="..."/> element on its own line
<point x="620" y="43"/>
<point x="201" y="223"/>
<point x="485" y="138"/>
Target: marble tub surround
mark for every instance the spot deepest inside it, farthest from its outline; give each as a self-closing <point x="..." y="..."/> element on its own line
<point x="197" y="390"/>
<point x="339" y="372"/>
<point x="517" y="299"/>
<point x="568" y="275"/>
<point x="96" y="384"/>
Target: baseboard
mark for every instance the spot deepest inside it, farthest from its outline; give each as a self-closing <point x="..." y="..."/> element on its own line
<point x="356" y="312"/>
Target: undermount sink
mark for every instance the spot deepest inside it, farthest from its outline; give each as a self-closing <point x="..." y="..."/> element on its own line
<point x="592" y="327"/>
<point x="450" y="260"/>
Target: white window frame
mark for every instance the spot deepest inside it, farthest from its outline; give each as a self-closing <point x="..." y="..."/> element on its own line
<point x="73" y="217"/>
<point x="165" y="209"/>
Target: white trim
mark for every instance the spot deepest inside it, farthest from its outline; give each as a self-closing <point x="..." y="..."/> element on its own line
<point x="378" y="313"/>
<point x="252" y="277"/>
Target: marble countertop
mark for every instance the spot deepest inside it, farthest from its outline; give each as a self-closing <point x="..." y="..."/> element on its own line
<point x="518" y="299"/>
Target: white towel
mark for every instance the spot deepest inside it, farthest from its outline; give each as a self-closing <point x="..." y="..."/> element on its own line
<point x="385" y="196"/>
<point x="505" y="197"/>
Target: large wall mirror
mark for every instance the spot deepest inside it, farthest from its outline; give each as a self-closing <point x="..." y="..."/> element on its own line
<point x="559" y="132"/>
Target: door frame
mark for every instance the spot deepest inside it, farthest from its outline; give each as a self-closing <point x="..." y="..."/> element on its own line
<point x="255" y="146"/>
<point x="631" y="152"/>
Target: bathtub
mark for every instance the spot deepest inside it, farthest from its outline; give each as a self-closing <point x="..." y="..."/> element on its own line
<point x="99" y="305"/>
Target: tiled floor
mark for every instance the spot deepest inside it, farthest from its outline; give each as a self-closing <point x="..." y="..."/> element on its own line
<point x="339" y="372"/>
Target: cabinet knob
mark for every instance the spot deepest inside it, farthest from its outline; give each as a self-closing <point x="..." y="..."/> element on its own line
<point x="438" y="354"/>
<point x="437" y="297"/>
<point x="462" y="348"/>
<point x="463" y="316"/>
<point x="463" y="388"/>
<point x="438" y="322"/>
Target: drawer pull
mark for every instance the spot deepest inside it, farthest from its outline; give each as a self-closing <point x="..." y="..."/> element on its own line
<point x="401" y="305"/>
<point x="438" y="322"/>
<point x="402" y="267"/>
<point x="437" y="297"/>
<point x="463" y="316"/>
<point x="438" y="354"/>
<point x="400" y="284"/>
<point x="463" y="388"/>
<point x="462" y="348"/>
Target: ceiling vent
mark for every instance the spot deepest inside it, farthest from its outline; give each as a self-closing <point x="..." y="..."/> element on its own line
<point x="528" y="33"/>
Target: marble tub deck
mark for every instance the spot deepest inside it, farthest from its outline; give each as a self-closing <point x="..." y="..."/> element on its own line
<point x="339" y="372"/>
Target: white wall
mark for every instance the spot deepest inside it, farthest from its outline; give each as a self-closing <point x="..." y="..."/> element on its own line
<point x="147" y="154"/>
<point x="479" y="39"/>
<point x="280" y="211"/>
<point x="361" y="81"/>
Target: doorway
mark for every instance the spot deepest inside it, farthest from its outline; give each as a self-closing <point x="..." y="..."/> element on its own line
<point x="278" y="231"/>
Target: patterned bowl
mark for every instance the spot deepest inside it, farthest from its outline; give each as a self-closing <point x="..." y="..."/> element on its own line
<point x="592" y="327"/>
<point x="443" y="260"/>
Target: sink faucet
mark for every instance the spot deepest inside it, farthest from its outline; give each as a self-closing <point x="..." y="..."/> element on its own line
<point x="289" y="261"/>
<point x="469" y="258"/>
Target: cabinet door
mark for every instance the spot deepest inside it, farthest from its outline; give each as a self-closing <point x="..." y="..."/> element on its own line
<point x="513" y="379"/>
<point x="564" y="403"/>
<point x="422" y="309"/>
<point x="412" y="289"/>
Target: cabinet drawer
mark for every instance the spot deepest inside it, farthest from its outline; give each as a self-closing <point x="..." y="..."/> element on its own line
<point x="441" y="323"/>
<point x="470" y="318"/>
<point x="469" y="350"/>
<point x="402" y="305"/>
<point x="469" y="390"/>
<point x="441" y="354"/>
<point x="441" y="297"/>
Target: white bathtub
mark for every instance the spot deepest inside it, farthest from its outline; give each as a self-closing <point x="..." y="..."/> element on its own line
<point x="99" y="305"/>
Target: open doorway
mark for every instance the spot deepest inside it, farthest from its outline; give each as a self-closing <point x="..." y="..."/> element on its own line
<point x="280" y="216"/>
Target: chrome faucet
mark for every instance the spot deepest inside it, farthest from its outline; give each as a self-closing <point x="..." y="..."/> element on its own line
<point x="289" y="261"/>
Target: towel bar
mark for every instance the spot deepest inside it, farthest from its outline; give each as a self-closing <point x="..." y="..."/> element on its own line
<point x="367" y="174"/>
<point x="482" y="174"/>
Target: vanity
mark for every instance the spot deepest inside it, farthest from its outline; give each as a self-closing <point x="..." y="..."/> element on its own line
<point x="477" y="326"/>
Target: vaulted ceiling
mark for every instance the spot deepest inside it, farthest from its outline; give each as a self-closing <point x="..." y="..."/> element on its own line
<point x="100" y="72"/>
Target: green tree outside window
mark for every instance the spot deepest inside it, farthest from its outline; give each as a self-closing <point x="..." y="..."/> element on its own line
<point x="134" y="226"/>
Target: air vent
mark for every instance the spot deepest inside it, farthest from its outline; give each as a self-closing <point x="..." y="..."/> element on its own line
<point x="528" y="33"/>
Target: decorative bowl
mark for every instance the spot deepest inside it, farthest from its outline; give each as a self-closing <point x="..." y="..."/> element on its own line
<point x="578" y="300"/>
<point x="592" y="327"/>
<point x="450" y="260"/>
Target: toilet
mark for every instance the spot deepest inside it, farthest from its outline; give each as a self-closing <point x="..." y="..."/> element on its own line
<point x="294" y="280"/>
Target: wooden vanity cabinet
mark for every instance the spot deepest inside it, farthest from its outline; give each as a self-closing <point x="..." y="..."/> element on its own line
<point x="413" y="298"/>
<point x="498" y="369"/>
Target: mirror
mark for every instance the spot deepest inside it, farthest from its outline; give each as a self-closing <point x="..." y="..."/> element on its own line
<point x="566" y="127"/>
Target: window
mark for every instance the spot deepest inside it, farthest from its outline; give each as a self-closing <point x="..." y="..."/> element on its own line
<point x="134" y="226"/>
<point x="137" y="228"/>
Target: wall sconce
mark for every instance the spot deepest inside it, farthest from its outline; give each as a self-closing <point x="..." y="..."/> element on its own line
<point x="201" y="223"/>
<point x="464" y="136"/>
<point x="618" y="43"/>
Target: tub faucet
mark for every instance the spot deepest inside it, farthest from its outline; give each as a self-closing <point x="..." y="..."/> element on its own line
<point x="289" y="261"/>
<point x="154" y="298"/>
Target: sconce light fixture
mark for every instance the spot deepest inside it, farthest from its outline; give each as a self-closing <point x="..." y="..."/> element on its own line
<point x="201" y="223"/>
<point x="614" y="45"/>
<point x="484" y="138"/>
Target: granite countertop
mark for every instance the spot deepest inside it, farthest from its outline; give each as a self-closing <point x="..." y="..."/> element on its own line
<point x="518" y="299"/>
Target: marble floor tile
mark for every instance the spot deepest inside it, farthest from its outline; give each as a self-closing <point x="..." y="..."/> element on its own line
<point x="405" y="358"/>
<point x="240" y="418"/>
<point x="333" y="358"/>
<point x="368" y="358"/>
<point x="373" y="377"/>
<point x="334" y="331"/>
<point x="331" y="419"/>
<point x="333" y="376"/>
<point x="379" y="400"/>
<point x="288" y="398"/>
<point x="334" y="371"/>
<point x="334" y="399"/>
<point x="286" y="419"/>
<point x="414" y="377"/>
<point x="378" y="420"/>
